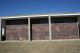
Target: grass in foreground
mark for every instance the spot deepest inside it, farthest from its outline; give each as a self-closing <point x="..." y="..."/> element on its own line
<point x="40" y="47"/>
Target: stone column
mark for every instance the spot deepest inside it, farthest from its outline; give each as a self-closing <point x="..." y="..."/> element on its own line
<point x="78" y="22"/>
<point x="50" y="36"/>
<point x="0" y="29"/>
<point x="29" y="32"/>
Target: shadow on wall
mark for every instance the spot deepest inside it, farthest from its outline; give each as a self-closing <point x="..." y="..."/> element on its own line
<point x="3" y="38"/>
<point x="64" y="20"/>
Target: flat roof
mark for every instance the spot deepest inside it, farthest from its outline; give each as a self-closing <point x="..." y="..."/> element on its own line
<point x="43" y="15"/>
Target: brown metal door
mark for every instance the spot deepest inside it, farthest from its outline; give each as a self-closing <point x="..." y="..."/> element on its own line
<point x="16" y="30"/>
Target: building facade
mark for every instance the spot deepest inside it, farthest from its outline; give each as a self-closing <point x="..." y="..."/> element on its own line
<point x="40" y="27"/>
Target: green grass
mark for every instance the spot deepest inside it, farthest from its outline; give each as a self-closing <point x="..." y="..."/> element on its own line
<point x="41" y="47"/>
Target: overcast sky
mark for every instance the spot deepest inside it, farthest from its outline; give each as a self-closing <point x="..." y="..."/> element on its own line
<point x="15" y="7"/>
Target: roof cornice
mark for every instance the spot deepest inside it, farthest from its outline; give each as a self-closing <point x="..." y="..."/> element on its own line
<point x="42" y="15"/>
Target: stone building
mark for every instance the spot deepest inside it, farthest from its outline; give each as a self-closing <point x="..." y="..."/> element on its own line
<point x="40" y="27"/>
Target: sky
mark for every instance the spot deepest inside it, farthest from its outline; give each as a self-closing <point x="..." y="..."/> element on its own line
<point x="25" y="7"/>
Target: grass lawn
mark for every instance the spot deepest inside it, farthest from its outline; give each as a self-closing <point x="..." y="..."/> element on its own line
<point x="41" y="47"/>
